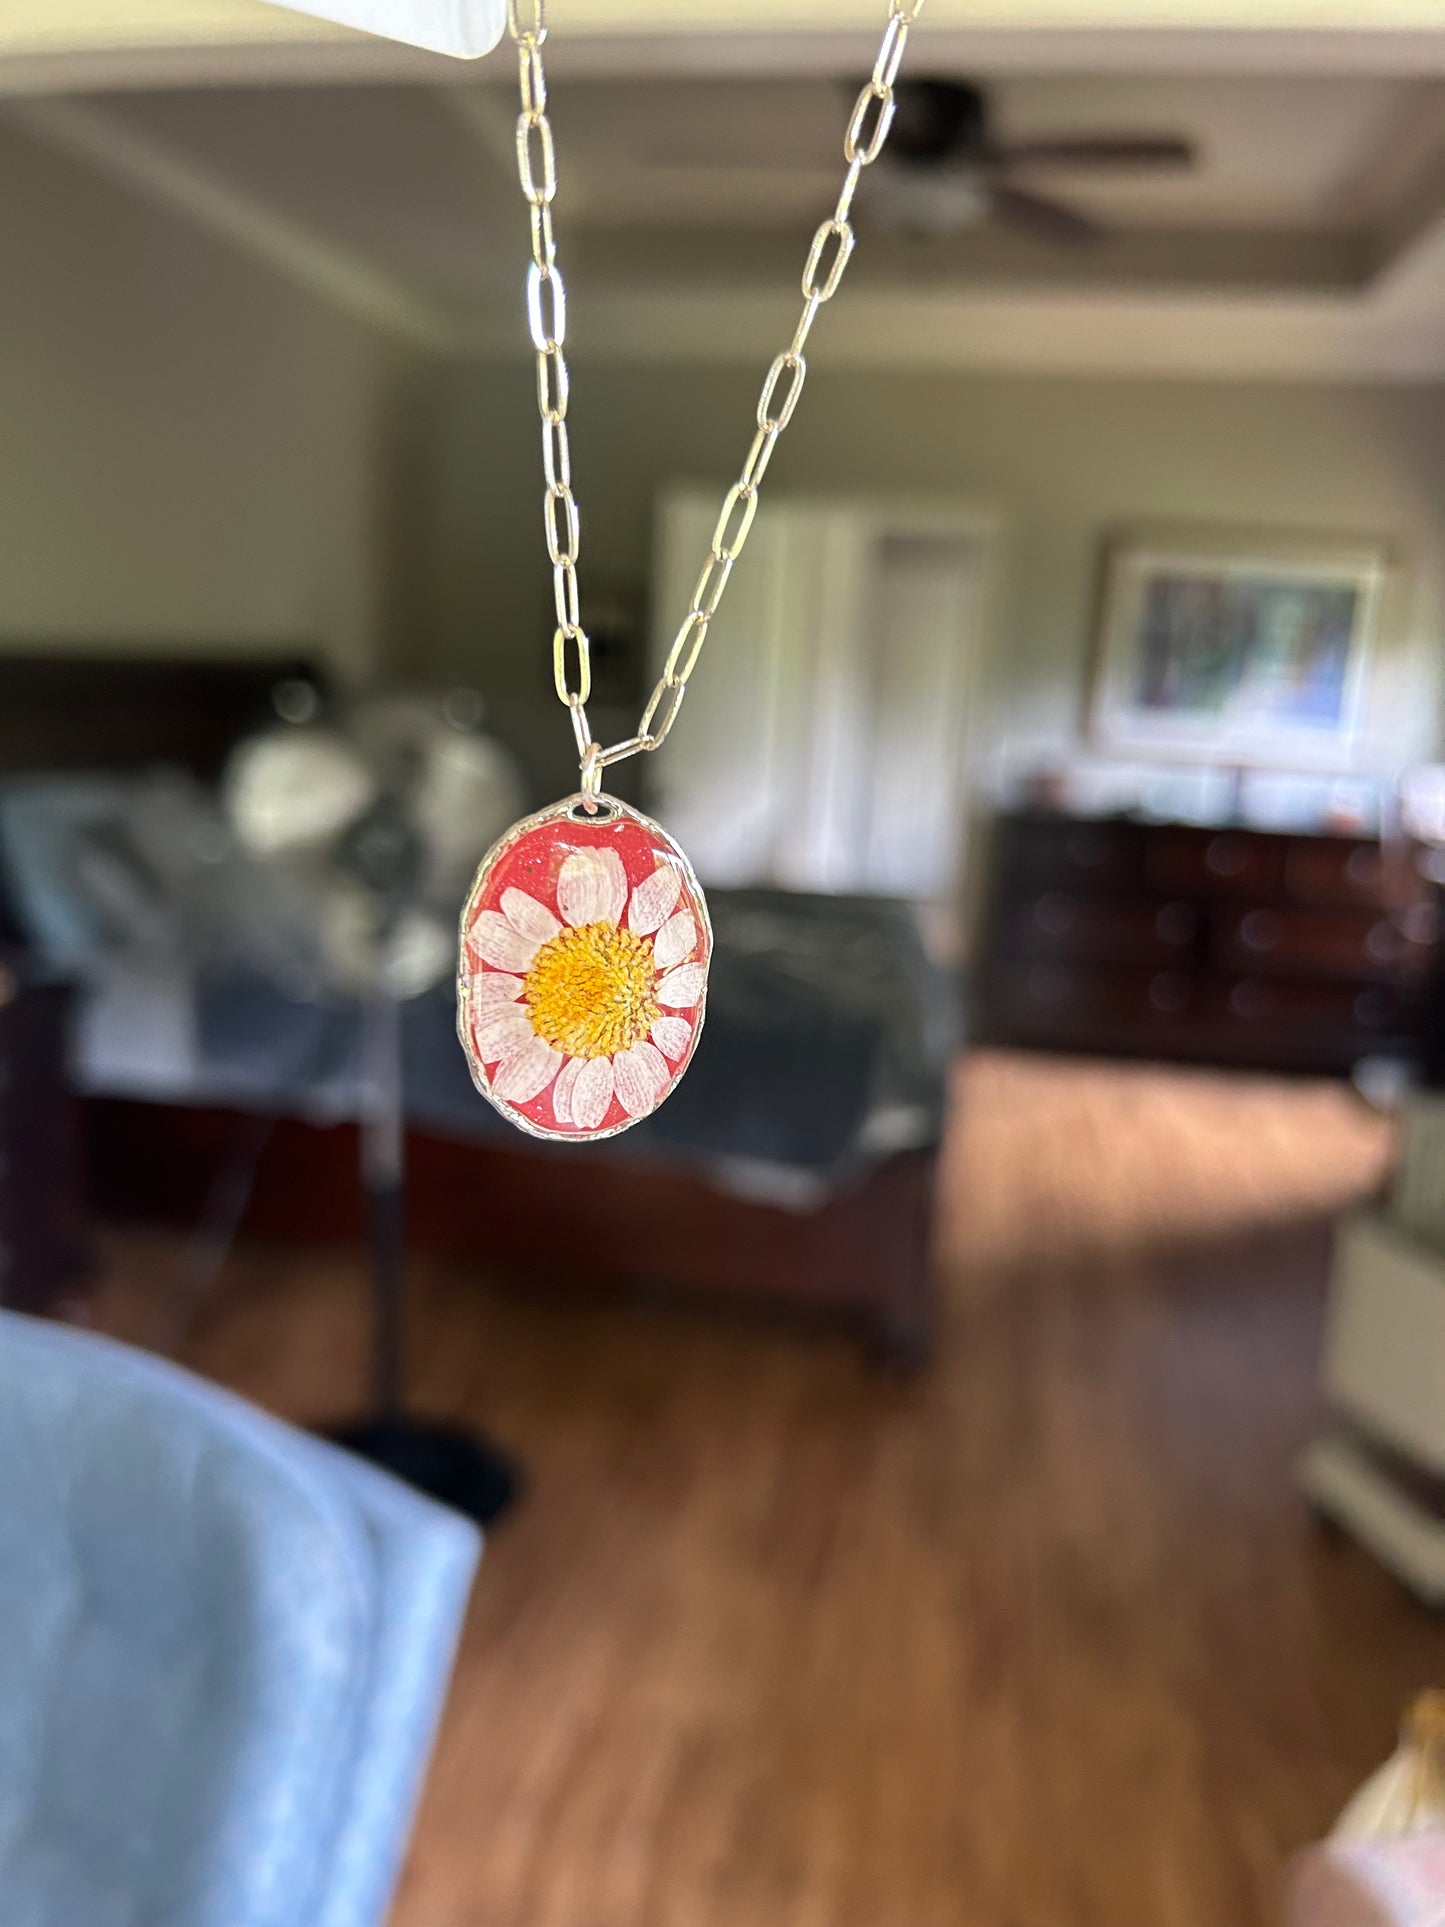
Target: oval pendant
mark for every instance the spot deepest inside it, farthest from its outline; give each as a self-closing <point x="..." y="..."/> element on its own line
<point x="585" y="945"/>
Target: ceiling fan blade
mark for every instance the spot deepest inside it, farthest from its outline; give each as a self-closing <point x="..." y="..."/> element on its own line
<point x="1048" y="220"/>
<point x="1123" y="150"/>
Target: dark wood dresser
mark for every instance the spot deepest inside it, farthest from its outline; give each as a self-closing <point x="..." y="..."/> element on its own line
<point x="45" y="1247"/>
<point x="1230" y="946"/>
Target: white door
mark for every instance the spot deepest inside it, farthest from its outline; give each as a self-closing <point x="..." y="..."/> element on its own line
<point x="823" y="744"/>
<point x="922" y="635"/>
<point x="714" y="784"/>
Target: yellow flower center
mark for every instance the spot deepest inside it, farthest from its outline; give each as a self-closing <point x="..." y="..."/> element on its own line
<point x="589" y="991"/>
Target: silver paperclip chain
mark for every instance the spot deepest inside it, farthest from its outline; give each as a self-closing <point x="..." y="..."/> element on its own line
<point x="828" y="257"/>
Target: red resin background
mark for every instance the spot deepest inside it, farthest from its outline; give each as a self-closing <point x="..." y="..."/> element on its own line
<point x="533" y="865"/>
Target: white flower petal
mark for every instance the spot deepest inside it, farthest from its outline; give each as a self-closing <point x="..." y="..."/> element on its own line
<point x="528" y="917"/>
<point x="672" y="1036"/>
<point x="528" y="1071"/>
<point x="652" y="899"/>
<point x="641" y="1074"/>
<point x="497" y="943"/>
<point x="562" y="1089"/>
<point x="592" y="1094"/>
<point x="676" y="940"/>
<point x="592" y="886"/>
<point x="500" y="1028"/>
<point x="656" y="1064"/>
<point x="495" y="987"/>
<point x="680" y="989"/>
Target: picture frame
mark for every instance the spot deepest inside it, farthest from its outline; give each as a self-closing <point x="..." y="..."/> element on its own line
<point x="1244" y="648"/>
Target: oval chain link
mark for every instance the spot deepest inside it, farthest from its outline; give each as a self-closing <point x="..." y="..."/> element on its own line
<point x="828" y="257"/>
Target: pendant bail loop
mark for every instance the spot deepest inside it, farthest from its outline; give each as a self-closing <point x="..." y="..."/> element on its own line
<point x="591" y="777"/>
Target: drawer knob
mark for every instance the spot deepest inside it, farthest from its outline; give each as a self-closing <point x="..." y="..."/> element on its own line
<point x="1056" y="914"/>
<point x="1226" y="856"/>
<point x="1087" y="848"/>
<point x="1176" y="922"/>
<point x="1421" y="923"/>
<point x="1169" y="992"/>
<point x="1383" y="944"/>
<point x="1261" y="930"/>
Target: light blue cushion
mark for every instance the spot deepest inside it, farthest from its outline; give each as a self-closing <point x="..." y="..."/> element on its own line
<point x="223" y="1651"/>
<point x="44" y="822"/>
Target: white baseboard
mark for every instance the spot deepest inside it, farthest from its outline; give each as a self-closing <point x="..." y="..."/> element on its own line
<point x="1355" y="1490"/>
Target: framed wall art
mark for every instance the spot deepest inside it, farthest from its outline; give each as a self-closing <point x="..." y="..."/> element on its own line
<point x="1249" y="650"/>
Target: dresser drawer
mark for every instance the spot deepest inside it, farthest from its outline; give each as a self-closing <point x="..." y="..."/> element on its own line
<point x="1326" y="943"/>
<point x="1069" y="1001"/>
<point x="1291" y="1005"/>
<point x="1038" y="851"/>
<point x="1215" y="862"/>
<point x="1063" y="925"/>
<point x="1219" y="945"/>
<point x="1348" y="870"/>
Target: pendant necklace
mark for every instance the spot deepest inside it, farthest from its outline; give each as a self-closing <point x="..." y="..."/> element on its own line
<point x="585" y="939"/>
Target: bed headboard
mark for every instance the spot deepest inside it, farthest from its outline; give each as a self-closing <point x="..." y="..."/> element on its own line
<point x="114" y="711"/>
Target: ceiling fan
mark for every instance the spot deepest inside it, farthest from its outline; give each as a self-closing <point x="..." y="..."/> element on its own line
<point x="944" y="170"/>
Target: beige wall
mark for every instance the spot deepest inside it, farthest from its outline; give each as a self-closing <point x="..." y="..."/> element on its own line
<point x="188" y="446"/>
<point x="1060" y="459"/>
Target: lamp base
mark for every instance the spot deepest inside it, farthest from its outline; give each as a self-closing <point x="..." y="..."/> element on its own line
<point x="457" y="1468"/>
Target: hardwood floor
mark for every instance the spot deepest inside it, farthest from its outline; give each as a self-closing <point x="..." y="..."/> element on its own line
<point x="1043" y="1639"/>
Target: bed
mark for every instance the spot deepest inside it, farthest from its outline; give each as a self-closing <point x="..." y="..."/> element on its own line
<point x="793" y="1168"/>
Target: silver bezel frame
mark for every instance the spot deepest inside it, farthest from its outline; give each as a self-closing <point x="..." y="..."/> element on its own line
<point x="569" y="808"/>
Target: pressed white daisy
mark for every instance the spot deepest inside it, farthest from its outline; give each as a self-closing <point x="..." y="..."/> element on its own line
<point x="590" y="999"/>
